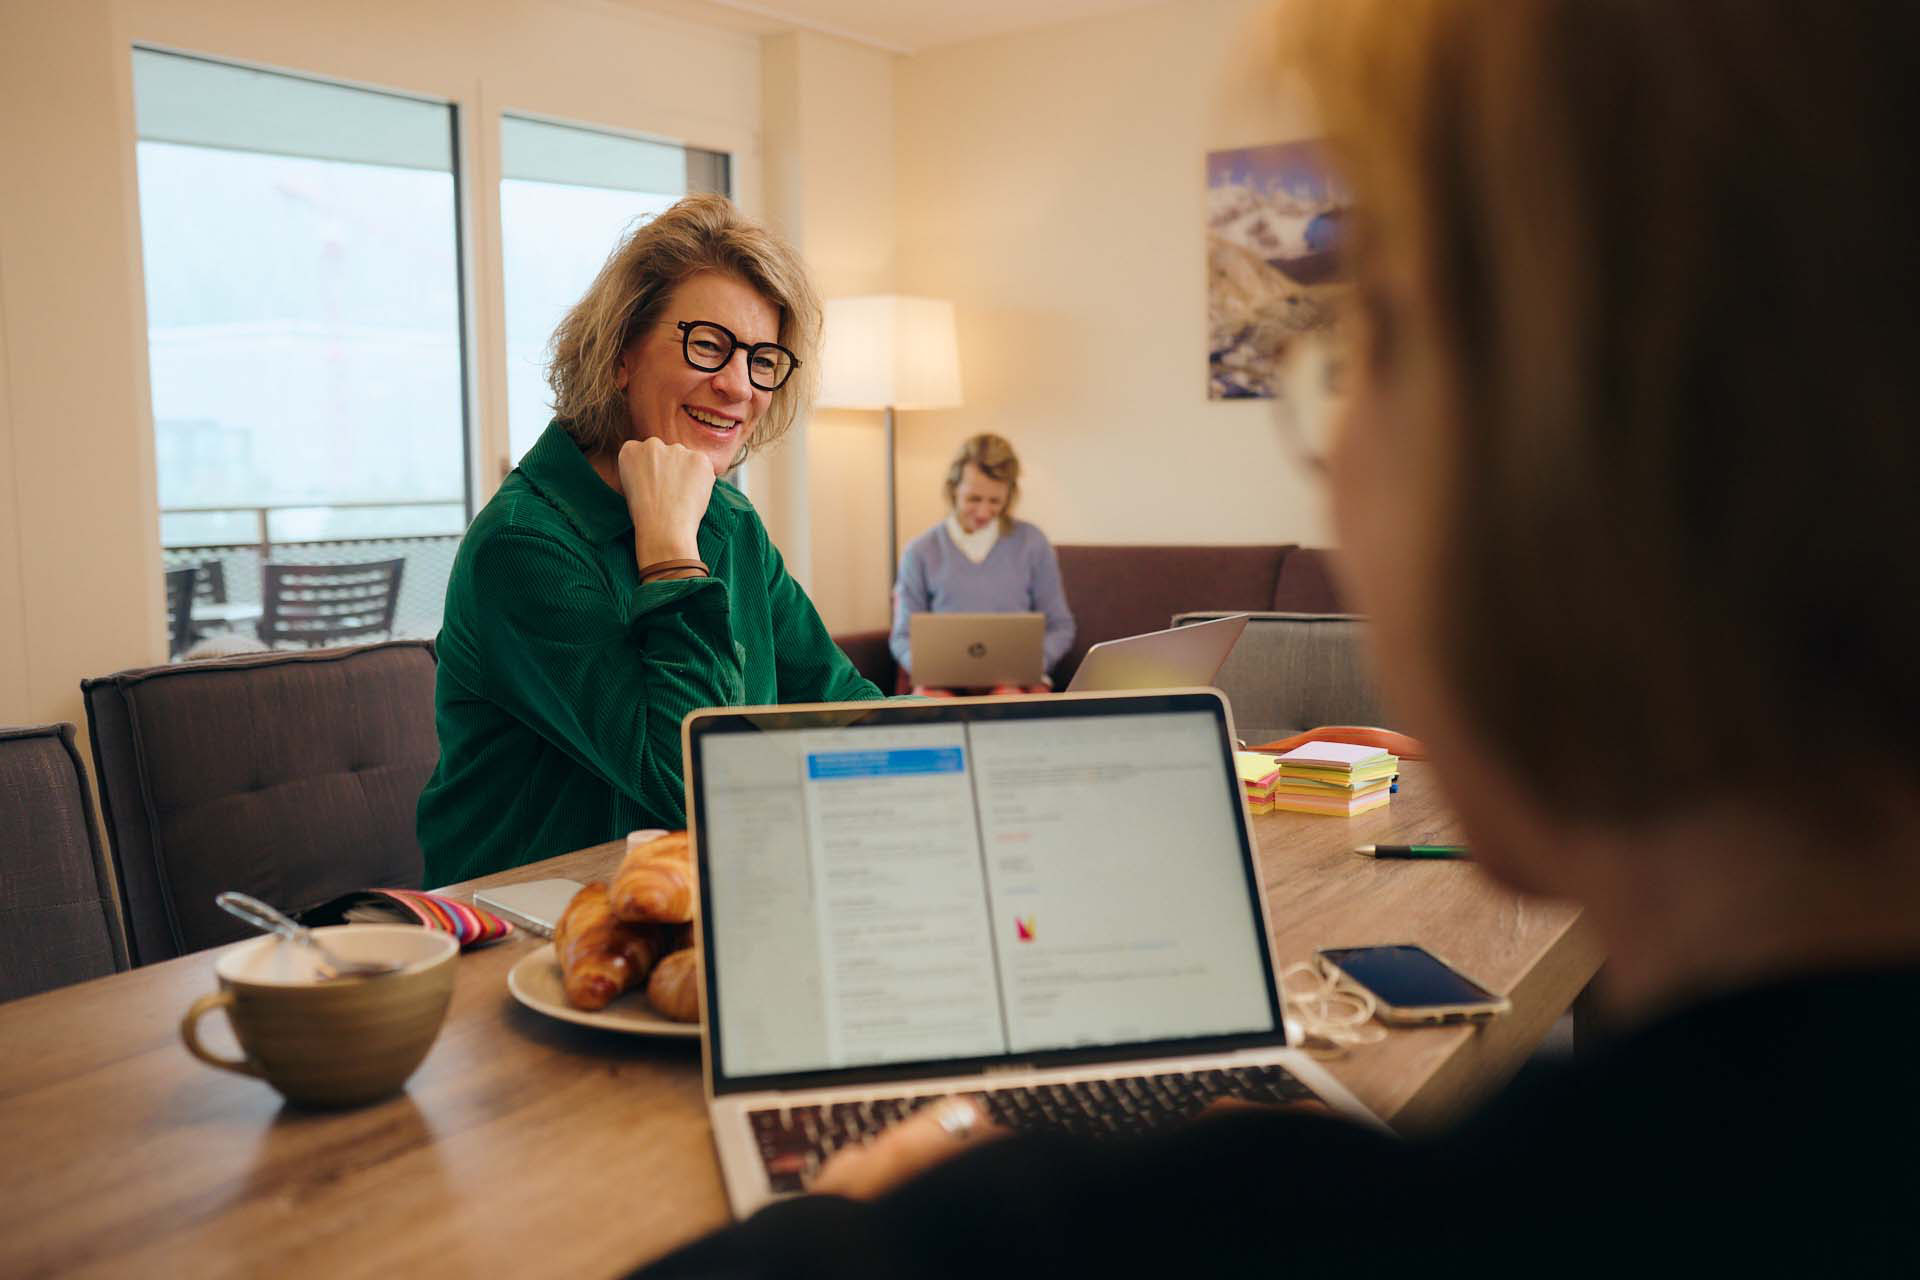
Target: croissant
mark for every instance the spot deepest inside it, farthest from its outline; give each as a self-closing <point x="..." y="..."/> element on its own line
<point x="655" y="882"/>
<point x="600" y="957"/>
<point x="674" y="989"/>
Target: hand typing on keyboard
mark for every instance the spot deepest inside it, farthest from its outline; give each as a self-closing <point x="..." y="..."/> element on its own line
<point x="904" y="1149"/>
<point x="862" y="1148"/>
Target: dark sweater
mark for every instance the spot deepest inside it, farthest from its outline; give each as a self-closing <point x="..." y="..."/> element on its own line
<point x="1763" y="1132"/>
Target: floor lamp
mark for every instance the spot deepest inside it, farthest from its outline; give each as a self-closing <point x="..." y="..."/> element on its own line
<point x="887" y="352"/>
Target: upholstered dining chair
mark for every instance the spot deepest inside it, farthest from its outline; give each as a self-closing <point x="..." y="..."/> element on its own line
<point x="322" y="604"/>
<point x="291" y="776"/>
<point x="58" y="923"/>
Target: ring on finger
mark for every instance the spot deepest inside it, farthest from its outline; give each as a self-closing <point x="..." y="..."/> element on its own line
<point x="958" y="1117"/>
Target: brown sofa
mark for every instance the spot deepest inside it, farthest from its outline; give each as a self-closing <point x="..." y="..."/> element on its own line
<point x="1122" y="591"/>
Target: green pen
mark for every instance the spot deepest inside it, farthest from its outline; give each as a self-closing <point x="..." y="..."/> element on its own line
<point x="1444" y="851"/>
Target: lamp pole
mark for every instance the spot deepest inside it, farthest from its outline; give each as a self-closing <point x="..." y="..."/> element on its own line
<point x="887" y="350"/>
<point x="893" y="518"/>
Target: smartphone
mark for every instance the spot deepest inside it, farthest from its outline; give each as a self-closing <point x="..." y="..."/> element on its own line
<point x="1412" y="985"/>
<point x="534" y="905"/>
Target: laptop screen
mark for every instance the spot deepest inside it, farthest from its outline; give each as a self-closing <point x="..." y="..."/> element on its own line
<point x="939" y="884"/>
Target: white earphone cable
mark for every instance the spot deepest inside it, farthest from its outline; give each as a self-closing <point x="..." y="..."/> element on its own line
<point x="1332" y="1014"/>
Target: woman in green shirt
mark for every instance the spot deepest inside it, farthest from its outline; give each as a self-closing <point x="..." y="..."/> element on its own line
<point x="614" y="583"/>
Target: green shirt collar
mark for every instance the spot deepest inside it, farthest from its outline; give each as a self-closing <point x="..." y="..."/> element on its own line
<point x="560" y="471"/>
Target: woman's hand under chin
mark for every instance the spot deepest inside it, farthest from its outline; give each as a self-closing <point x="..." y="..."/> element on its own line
<point x="667" y="488"/>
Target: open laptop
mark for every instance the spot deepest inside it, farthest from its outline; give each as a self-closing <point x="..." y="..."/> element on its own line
<point x="1178" y="658"/>
<point x="976" y="650"/>
<point x="1050" y="904"/>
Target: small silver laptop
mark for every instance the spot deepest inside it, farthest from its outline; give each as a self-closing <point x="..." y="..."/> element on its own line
<point x="976" y="650"/>
<point x="1178" y="658"/>
<point x="1050" y="904"/>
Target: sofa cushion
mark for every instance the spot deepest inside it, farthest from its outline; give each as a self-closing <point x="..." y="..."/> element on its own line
<point x="1124" y="591"/>
<point x="1117" y="591"/>
<point x="1294" y="671"/>
<point x="870" y="656"/>
<point x="1307" y="583"/>
<point x="290" y="776"/>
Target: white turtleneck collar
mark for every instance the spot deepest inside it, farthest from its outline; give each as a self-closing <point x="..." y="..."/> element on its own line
<point x="974" y="546"/>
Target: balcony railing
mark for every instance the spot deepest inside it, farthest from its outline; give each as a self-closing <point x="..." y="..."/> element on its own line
<point x="250" y="539"/>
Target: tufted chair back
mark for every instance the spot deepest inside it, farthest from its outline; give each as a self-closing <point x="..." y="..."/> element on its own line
<point x="290" y="776"/>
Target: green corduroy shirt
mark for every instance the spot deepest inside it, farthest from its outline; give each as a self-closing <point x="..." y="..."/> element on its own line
<point x="563" y="681"/>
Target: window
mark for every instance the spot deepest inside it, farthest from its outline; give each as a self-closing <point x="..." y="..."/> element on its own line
<point x="304" y="324"/>
<point x="566" y="195"/>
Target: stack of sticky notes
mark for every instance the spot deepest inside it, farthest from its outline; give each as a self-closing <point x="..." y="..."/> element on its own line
<point x="1321" y="777"/>
<point x="1258" y="773"/>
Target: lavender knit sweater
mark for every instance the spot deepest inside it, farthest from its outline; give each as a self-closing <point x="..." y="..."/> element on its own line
<point x="1020" y="575"/>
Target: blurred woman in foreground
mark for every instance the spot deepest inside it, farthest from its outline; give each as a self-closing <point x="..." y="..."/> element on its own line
<point x="1634" y="423"/>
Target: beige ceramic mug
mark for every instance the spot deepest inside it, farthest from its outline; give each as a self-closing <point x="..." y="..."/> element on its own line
<point x="331" y="1043"/>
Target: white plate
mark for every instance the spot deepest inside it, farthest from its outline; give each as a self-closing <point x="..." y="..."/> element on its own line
<point x="535" y="983"/>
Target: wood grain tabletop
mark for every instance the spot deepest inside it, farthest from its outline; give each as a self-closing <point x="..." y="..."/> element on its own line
<point x="525" y="1141"/>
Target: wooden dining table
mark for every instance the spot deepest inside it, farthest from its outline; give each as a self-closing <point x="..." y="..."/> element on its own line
<point x="527" y="1144"/>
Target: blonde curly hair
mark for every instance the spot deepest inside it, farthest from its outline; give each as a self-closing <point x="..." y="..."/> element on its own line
<point x="700" y="233"/>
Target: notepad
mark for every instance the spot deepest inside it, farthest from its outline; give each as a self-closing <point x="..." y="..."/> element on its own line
<point x="1331" y="805"/>
<point x="1344" y="756"/>
<point x="1255" y="769"/>
<point x="1339" y="763"/>
<point x="1331" y="778"/>
<point x="1285" y="785"/>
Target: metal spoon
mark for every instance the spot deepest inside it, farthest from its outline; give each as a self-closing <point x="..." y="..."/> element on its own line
<point x="272" y="920"/>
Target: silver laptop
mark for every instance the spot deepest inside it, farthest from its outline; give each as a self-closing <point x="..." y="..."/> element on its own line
<point x="1177" y="658"/>
<point x="976" y="650"/>
<point x="1050" y="904"/>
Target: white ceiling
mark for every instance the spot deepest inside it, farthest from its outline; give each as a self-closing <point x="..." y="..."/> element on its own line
<point x="902" y="26"/>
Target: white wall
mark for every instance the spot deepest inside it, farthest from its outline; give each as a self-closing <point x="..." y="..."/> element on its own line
<point x="79" y="540"/>
<point x="1052" y="183"/>
<point x="79" y="546"/>
<point x="830" y="189"/>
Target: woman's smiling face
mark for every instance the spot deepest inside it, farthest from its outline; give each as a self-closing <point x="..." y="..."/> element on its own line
<point x="979" y="499"/>
<point x="711" y="413"/>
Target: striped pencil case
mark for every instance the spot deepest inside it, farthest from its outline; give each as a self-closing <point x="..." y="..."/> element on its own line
<point x="471" y="926"/>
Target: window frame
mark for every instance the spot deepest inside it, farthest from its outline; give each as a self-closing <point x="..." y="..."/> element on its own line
<point x="481" y="83"/>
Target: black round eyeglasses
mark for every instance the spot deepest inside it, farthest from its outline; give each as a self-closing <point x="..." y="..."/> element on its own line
<point x="708" y="347"/>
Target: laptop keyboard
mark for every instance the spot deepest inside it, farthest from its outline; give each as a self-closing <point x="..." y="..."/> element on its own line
<point x="796" y="1141"/>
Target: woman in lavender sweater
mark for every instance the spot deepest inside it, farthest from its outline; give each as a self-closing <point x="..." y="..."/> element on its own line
<point x="980" y="559"/>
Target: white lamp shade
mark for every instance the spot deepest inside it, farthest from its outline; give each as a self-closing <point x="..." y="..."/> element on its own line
<point x="886" y="351"/>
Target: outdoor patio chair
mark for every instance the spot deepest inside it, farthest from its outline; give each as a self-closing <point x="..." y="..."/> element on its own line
<point x="180" y="588"/>
<point x="323" y="604"/>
